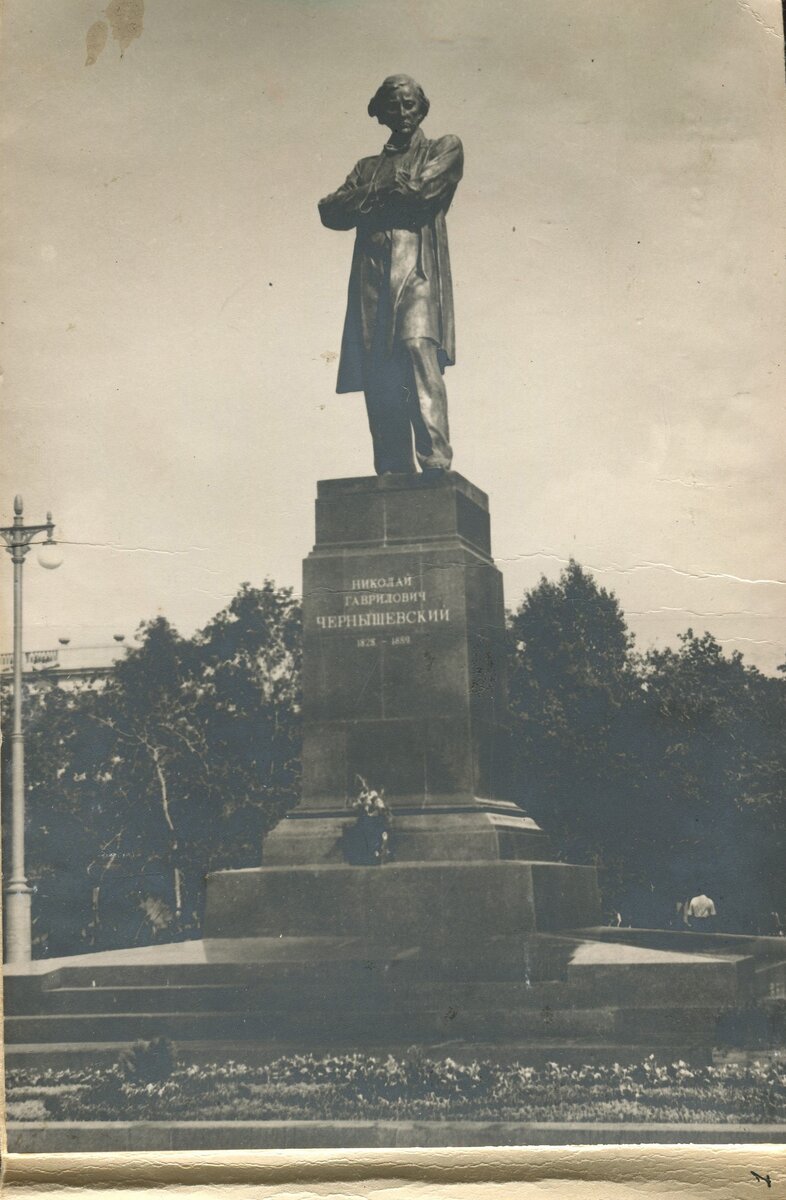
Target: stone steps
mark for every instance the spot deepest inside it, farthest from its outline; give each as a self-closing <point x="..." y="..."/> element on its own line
<point x="355" y="1026"/>
<point x="533" y="1052"/>
<point x="287" y="973"/>
<point x="303" y="995"/>
<point x="350" y="1028"/>
<point x="503" y="961"/>
<point x="256" y="997"/>
<point x="549" y="1002"/>
<point x="695" y="983"/>
<point x="582" y="982"/>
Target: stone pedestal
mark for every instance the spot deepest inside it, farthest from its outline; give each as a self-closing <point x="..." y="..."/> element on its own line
<point x="450" y="910"/>
<point x="404" y="676"/>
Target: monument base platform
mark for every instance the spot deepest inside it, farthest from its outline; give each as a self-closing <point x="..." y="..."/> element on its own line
<point x="571" y="997"/>
<point x="445" y="906"/>
<point x="454" y="958"/>
<point x="486" y="831"/>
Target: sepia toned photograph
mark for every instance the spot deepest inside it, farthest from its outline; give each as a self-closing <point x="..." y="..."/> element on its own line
<point x="393" y="740"/>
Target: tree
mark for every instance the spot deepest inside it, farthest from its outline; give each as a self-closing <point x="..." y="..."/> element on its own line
<point x="667" y="770"/>
<point x="249" y="705"/>
<point x="572" y="686"/>
<point x="63" y="820"/>
<point x="150" y="758"/>
<point x="179" y="764"/>
<point x="714" y="765"/>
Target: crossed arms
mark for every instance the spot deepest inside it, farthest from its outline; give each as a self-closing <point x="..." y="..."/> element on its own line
<point x="362" y="194"/>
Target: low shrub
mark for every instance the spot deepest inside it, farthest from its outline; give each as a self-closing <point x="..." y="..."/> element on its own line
<point x="363" y="1087"/>
<point x="148" y="1062"/>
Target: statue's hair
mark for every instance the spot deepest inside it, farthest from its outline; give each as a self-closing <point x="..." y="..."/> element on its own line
<point x="389" y="85"/>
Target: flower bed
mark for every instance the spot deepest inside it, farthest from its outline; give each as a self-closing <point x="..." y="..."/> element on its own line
<point x="359" y="1087"/>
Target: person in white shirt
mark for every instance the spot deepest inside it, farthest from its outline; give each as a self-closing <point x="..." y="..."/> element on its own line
<point x="701" y="913"/>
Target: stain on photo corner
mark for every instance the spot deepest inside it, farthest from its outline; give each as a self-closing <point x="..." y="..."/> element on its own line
<point x="124" y="18"/>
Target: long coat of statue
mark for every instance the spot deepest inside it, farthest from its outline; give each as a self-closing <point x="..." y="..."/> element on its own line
<point x="400" y="284"/>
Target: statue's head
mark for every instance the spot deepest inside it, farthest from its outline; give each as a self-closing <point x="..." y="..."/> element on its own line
<point x="400" y="103"/>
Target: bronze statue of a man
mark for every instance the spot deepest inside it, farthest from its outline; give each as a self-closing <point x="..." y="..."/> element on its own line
<point x="399" y="331"/>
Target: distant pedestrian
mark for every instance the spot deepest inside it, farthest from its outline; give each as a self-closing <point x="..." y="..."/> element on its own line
<point x="701" y="913"/>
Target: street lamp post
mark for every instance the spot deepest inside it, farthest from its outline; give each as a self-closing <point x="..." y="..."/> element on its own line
<point x="18" y="924"/>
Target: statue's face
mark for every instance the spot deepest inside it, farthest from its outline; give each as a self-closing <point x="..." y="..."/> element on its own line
<point x="400" y="109"/>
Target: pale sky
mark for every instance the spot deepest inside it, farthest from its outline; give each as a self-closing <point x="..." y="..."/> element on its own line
<point x="173" y="307"/>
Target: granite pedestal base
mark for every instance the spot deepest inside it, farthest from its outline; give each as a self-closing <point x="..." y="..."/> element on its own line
<point x="404" y="655"/>
<point x="405" y="690"/>
<point x="485" y="832"/>
<point x="404" y="677"/>
<point x="449" y="908"/>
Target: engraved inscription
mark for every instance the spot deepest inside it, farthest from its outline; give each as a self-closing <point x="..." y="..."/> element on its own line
<point x="384" y="603"/>
<point x="410" y="616"/>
